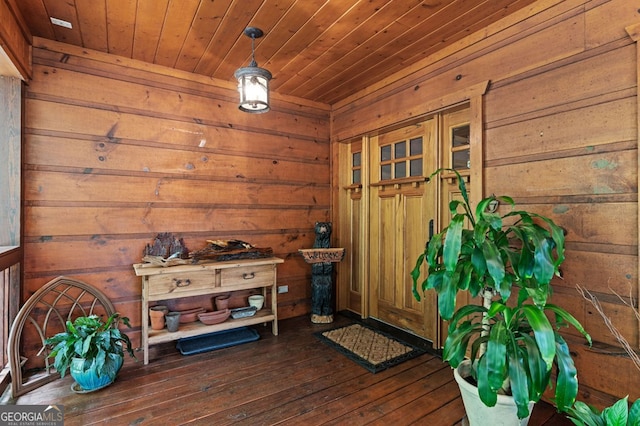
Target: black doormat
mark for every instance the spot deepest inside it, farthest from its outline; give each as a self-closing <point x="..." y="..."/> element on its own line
<point x="372" y="349"/>
<point x="217" y="340"/>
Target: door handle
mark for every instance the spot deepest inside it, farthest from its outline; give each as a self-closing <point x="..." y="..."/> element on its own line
<point x="180" y="283"/>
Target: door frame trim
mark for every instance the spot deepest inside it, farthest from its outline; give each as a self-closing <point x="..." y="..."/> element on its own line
<point x="471" y="94"/>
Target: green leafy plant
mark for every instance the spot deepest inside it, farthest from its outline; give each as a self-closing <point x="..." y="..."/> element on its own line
<point x="513" y="346"/>
<point x="100" y="344"/>
<point x="618" y="414"/>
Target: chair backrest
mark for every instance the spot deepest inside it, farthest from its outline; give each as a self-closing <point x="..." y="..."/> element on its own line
<point x="42" y="316"/>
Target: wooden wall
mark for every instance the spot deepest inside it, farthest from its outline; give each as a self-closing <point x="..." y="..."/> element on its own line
<point x="561" y="137"/>
<point x="117" y="151"/>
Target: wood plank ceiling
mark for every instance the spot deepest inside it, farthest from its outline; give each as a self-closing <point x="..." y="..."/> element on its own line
<point x="321" y="50"/>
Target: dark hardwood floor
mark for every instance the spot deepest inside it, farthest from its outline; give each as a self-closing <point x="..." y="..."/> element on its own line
<point x="289" y="379"/>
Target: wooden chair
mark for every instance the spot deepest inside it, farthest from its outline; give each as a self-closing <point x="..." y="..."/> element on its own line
<point x="44" y="315"/>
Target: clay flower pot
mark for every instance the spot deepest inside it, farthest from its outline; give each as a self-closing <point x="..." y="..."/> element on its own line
<point x="216" y="317"/>
<point x="190" y="315"/>
<point x="156" y="314"/>
<point x="222" y="302"/>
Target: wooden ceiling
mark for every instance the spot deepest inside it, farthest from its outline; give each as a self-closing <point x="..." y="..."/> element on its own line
<point x="321" y="50"/>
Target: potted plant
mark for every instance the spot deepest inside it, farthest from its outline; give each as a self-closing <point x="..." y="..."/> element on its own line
<point x="511" y="343"/>
<point x="92" y="350"/>
<point x="618" y="414"/>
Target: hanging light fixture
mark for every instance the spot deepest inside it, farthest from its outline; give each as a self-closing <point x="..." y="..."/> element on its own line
<point x="253" y="81"/>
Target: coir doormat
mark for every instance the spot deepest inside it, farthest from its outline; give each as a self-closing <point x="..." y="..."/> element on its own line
<point x="372" y="349"/>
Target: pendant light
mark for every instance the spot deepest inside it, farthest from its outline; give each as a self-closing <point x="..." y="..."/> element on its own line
<point x="253" y="81"/>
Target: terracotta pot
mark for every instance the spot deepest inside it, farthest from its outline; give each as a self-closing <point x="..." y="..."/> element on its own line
<point x="163" y="308"/>
<point x="222" y="302"/>
<point x="156" y="314"/>
<point x="190" y="315"/>
<point x="216" y="317"/>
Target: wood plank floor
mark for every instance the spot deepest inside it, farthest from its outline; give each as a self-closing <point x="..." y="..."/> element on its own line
<point x="289" y="379"/>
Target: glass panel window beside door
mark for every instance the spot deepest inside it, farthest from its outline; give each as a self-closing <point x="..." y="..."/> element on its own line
<point x="460" y="154"/>
<point x="356" y="167"/>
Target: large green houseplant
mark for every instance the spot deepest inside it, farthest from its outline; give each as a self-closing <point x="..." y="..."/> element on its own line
<point x="511" y="343"/>
<point x="91" y="349"/>
<point x="618" y="414"/>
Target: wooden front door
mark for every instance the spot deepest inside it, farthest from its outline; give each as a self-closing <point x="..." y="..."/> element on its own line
<point x="402" y="207"/>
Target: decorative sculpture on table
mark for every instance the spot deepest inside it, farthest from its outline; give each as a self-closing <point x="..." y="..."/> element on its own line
<point x="168" y="250"/>
<point x="321" y="258"/>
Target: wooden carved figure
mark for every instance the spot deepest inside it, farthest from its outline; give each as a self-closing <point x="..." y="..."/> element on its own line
<point x="321" y="279"/>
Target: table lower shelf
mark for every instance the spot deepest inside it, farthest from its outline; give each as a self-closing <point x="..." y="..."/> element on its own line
<point x="196" y="328"/>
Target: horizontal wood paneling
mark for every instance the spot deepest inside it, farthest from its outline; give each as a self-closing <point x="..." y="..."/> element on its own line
<point x="620" y="316"/>
<point x="560" y="174"/>
<point x="56" y="54"/>
<point x="561" y="136"/>
<point x="608" y="72"/>
<point x="48" y="186"/>
<point x="133" y="97"/>
<point x="111" y="126"/>
<point x="614" y="374"/>
<point x="599" y="271"/>
<point x="598" y="19"/>
<point x="585" y="128"/>
<point x="154" y="219"/>
<point x="567" y="137"/>
<point x="115" y="155"/>
<point x="121" y="157"/>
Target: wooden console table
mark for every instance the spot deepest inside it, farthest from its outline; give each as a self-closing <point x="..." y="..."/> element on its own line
<point x="167" y="283"/>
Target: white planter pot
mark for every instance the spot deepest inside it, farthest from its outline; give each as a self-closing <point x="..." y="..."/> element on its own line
<point x="504" y="413"/>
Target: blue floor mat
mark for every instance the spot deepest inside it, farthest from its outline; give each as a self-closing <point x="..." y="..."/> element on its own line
<point x="218" y="340"/>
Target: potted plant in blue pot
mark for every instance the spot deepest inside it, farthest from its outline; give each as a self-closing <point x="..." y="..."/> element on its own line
<point x="92" y="350"/>
<point x="503" y="351"/>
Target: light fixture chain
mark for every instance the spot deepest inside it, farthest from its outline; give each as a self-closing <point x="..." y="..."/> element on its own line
<point x="253" y="52"/>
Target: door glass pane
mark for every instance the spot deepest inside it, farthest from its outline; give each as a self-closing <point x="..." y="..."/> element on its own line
<point x="356" y="159"/>
<point x="460" y="135"/>
<point x="385" y="172"/>
<point x="401" y="170"/>
<point x="415" y="146"/>
<point x="461" y="160"/>
<point x="356" y="176"/>
<point x="385" y="153"/>
<point x="415" y="167"/>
